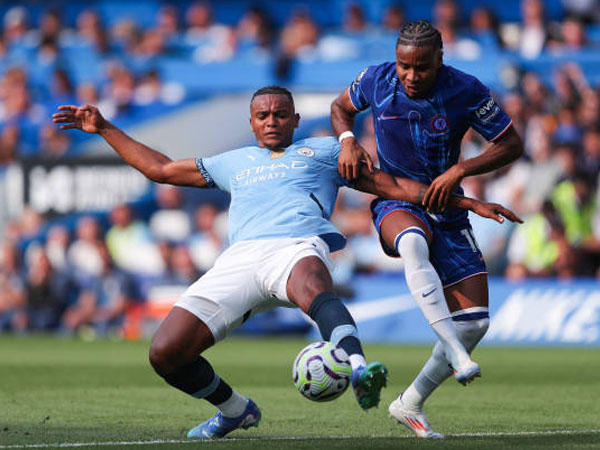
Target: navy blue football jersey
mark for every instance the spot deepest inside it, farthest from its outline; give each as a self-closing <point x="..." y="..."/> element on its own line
<point x="420" y="138"/>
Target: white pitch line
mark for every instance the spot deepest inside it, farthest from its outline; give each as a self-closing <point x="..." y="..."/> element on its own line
<point x="291" y="438"/>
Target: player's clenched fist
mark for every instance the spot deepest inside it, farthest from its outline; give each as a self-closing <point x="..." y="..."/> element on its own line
<point x="86" y="118"/>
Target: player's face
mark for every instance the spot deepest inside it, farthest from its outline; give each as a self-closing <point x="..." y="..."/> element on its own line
<point x="417" y="68"/>
<point x="273" y="119"/>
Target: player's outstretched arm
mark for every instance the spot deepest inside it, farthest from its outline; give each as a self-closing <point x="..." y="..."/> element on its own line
<point x="342" y="121"/>
<point x="412" y="191"/>
<point x="501" y="152"/>
<point x="153" y="164"/>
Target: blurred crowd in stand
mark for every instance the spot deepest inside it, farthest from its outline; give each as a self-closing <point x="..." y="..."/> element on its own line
<point x="84" y="277"/>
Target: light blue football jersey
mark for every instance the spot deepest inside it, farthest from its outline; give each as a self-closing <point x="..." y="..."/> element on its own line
<point x="279" y="195"/>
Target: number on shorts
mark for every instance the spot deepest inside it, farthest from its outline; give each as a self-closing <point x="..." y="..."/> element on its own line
<point x="468" y="234"/>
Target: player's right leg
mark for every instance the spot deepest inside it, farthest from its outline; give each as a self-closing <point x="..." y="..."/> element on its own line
<point x="409" y="236"/>
<point x="175" y="355"/>
<point x="310" y="287"/>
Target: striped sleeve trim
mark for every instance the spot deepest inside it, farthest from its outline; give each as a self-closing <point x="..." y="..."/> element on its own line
<point x="499" y="135"/>
<point x="204" y="172"/>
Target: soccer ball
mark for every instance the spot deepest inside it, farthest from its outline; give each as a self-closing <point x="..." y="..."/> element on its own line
<point x="322" y="371"/>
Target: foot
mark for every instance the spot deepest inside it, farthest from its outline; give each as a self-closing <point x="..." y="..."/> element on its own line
<point x="467" y="372"/>
<point x="218" y="426"/>
<point x="367" y="383"/>
<point x="413" y="419"/>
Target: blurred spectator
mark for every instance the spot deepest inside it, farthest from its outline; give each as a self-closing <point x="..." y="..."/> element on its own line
<point x="102" y="302"/>
<point x="539" y="248"/>
<point x="456" y="46"/>
<point x="485" y="28"/>
<point x="205" y="244"/>
<point x="170" y="222"/>
<point x="117" y="96"/>
<point x="131" y="245"/>
<point x="87" y="93"/>
<point x="12" y="290"/>
<point x="57" y="241"/>
<point x="213" y="42"/>
<point x="150" y="90"/>
<point x="393" y="18"/>
<point x="167" y="21"/>
<point x="61" y="87"/>
<point x="298" y="40"/>
<point x="536" y="95"/>
<point x="16" y="26"/>
<point x="534" y="32"/>
<point x="575" y="201"/>
<point x="90" y="31"/>
<point x="590" y="163"/>
<point x="180" y="268"/>
<point x="354" y="20"/>
<point x="299" y="35"/>
<point x="255" y="30"/>
<point x="48" y="292"/>
<point x="83" y="254"/>
<point x="573" y="35"/>
<point x="446" y="14"/>
<point x="53" y="142"/>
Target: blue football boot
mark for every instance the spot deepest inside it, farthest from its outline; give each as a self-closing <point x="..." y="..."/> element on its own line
<point x="218" y="426"/>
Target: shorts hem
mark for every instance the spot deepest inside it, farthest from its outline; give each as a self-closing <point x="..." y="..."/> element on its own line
<point x="463" y="279"/>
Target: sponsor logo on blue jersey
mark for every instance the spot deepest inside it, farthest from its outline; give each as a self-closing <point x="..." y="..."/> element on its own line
<point x="487" y="111"/>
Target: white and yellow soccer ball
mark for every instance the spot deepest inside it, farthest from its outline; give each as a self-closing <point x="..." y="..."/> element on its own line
<point x="322" y="371"/>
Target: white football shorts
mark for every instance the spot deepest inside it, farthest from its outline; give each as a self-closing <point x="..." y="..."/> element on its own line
<point x="248" y="278"/>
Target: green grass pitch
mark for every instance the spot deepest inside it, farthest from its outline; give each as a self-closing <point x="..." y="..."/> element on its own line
<point x="61" y="392"/>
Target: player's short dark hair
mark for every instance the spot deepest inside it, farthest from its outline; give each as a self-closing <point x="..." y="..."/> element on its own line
<point x="420" y="34"/>
<point x="277" y="90"/>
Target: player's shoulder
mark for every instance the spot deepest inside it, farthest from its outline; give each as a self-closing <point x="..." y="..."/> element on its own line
<point x="322" y="146"/>
<point x="458" y="80"/>
<point x="378" y="71"/>
<point x="386" y="70"/>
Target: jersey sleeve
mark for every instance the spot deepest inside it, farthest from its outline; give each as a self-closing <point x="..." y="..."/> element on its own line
<point x="216" y="170"/>
<point x="485" y="115"/>
<point x="328" y="157"/>
<point x="361" y="89"/>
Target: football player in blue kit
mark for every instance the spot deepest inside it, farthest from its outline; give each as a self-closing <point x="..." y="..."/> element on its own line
<point x="282" y="195"/>
<point x="421" y="110"/>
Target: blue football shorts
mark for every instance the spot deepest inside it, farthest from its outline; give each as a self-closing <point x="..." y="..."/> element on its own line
<point x="453" y="250"/>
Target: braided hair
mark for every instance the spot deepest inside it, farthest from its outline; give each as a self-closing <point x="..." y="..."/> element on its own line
<point x="419" y="34"/>
<point x="277" y="90"/>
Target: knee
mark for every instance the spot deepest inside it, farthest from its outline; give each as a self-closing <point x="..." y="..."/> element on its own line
<point x="414" y="250"/>
<point x="163" y="357"/>
<point x="470" y="332"/>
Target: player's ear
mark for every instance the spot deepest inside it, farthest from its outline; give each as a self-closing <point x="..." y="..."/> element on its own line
<point x="440" y="58"/>
<point x="296" y="120"/>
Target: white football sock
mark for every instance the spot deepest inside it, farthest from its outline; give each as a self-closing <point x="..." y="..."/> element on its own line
<point x="436" y="370"/>
<point x="357" y="360"/>
<point x="426" y="288"/>
<point x="234" y="406"/>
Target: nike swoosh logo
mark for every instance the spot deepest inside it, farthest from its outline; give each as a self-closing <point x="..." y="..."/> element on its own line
<point x="384" y="117"/>
<point x="429" y="293"/>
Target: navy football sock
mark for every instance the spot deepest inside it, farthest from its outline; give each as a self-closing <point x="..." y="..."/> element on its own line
<point x="199" y="380"/>
<point x="335" y="322"/>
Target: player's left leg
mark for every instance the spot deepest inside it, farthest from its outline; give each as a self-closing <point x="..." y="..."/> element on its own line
<point x="310" y="287"/>
<point x="175" y="355"/>
<point x="468" y="303"/>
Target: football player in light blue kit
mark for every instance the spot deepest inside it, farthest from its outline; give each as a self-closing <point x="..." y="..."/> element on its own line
<point x="421" y="110"/>
<point x="282" y="195"/>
